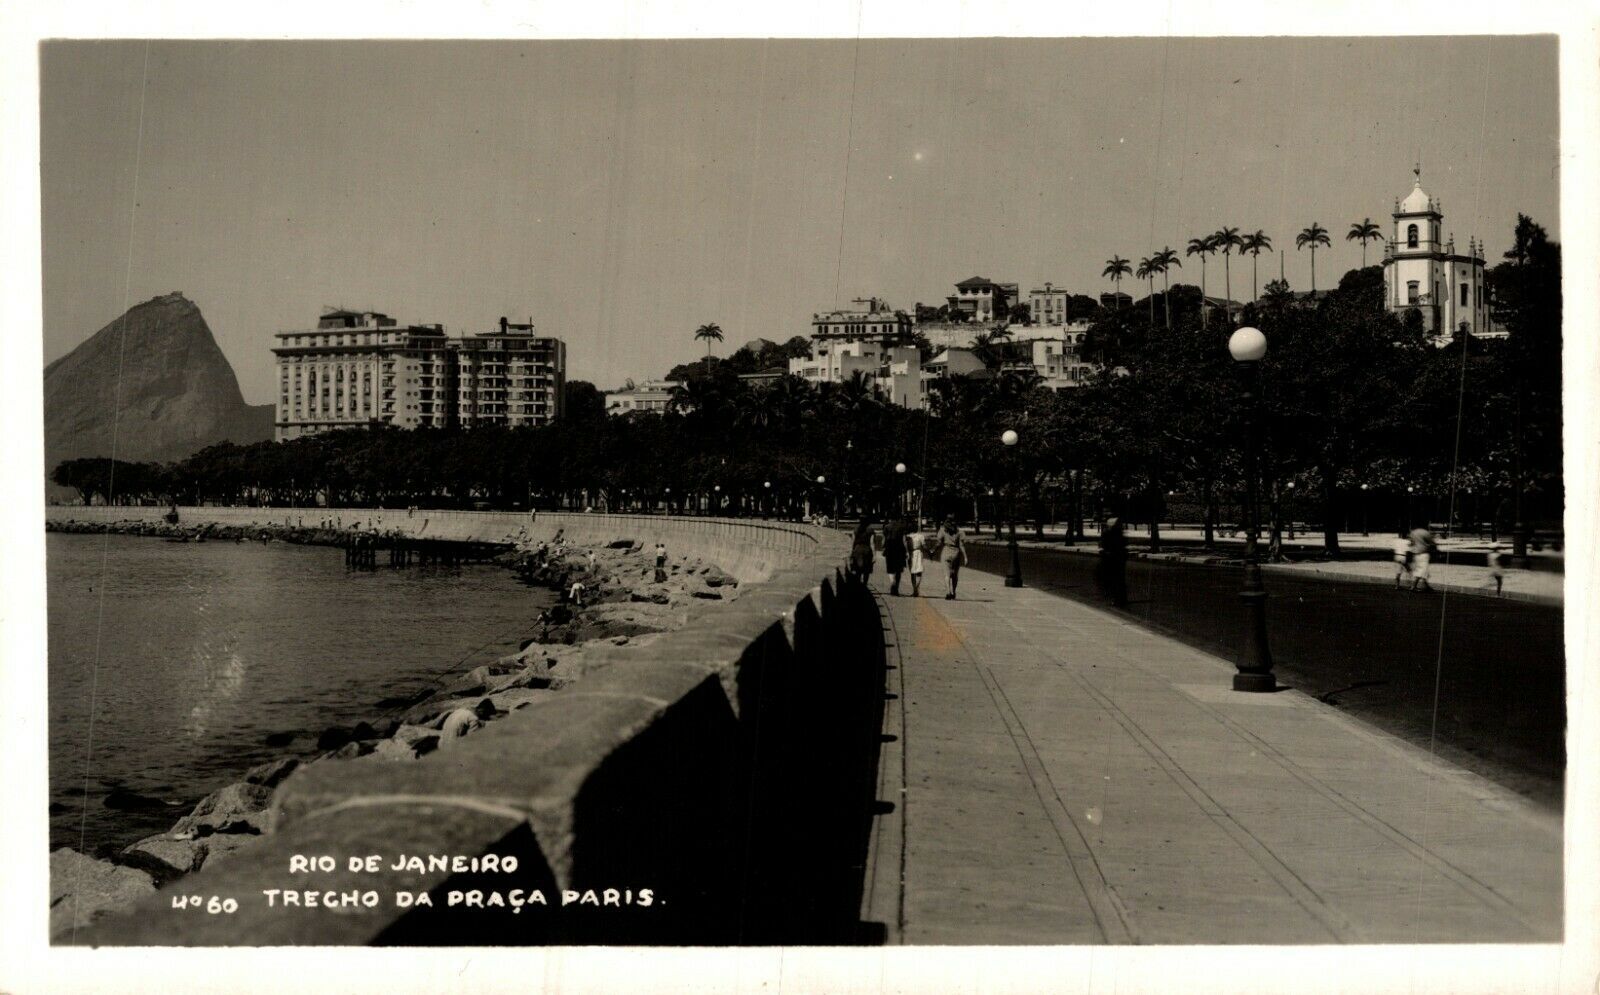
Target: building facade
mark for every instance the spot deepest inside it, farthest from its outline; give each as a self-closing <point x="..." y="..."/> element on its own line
<point x="1423" y="272"/>
<point x="1049" y="305"/>
<point x="360" y="369"/>
<point x="509" y="377"/>
<point x="652" y="395"/>
<point x="981" y="299"/>
<point x="872" y="340"/>
<point x="357" y="369"/>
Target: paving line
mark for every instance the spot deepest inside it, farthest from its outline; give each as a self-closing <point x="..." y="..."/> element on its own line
<point x="1110" y="917"/>
<point x="1464" y="880"/>
<point x="1116" y="925"/>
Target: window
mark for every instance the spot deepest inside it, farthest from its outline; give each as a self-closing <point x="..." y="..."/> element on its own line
<point x="1411" y="236"/>
<point x="1465" y="290"/>
<point x="1411" y="285"/>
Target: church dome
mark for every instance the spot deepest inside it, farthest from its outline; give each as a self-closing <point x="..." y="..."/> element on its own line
<point x="1417" y="202"/>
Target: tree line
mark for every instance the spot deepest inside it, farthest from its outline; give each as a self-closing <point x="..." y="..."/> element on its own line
<point x="1364" y="423"/>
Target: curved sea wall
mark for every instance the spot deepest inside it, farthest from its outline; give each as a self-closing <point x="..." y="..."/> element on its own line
<point x="749" y="549"/>
<point x="712" y="786"/>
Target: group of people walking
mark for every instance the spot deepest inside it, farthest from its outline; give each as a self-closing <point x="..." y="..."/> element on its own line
<point x="906" y="548"/>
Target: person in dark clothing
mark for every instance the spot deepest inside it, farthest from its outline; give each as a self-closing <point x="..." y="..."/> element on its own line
<point x="861" y="551"/>
<point x="1112" y="570"/>
<point x="894" y="553"/>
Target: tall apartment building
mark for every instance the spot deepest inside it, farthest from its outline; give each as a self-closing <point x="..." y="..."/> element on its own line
<point x="509" y="377"/>
<point x="355" y="369"/>
<point x="359" y="369"/>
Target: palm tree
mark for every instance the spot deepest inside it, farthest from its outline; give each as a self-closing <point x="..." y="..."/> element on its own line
<point x="1164" y="260"/>
<point x="1227" y="239"/>
<point x="1147" y="269"/>
<point x="1202" y="247"/>
<point x="1366" y="231"/>
<point x="1314" y="236"/>
<point x="710" y="332"/>
<point x="1117" y="268"/>
<point x="1253" y="244"/>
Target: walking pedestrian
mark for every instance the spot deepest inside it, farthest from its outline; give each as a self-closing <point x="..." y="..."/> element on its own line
<point x="894" y="553"/>
<point x="661" y="562"/>
<point x="1497" y="569"/>
<point x="1422" y="546"/>
<point x="916" y="542"/>
<point x="1402" y="560"/>
<point x="861" y="551"/>
<point x="1112" y="570"/>
<point x="952" y="552"/>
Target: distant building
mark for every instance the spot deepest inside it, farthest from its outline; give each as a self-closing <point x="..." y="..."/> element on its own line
<point x="361" y="369"/>
<point x="952" y="363"/>
<point x="1422" y="272"/>
<point x="652" y="395"/>
<point x="872" y="340"/>
<point x="981" y="299"/>
<point x="1058" y="359"/>
<point x="357" y="369"/>
<point x="509" y="377"/>
<point x="762" y="379"/>
<point x="1049" y="305"/>
<point x="1115" y="301"/>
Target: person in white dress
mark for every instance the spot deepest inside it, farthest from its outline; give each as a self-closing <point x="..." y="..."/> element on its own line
<point x="916" y="541"/>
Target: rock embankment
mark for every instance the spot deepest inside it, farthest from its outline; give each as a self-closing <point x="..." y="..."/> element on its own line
<point x="613" y="594"/>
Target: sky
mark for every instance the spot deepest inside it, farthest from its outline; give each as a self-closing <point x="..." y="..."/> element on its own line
<point x="623" y="193"/>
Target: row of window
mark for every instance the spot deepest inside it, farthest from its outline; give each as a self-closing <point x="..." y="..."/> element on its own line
<point x="1414" y="295"/>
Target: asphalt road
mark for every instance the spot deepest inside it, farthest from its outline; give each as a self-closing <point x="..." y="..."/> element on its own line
<point x="1377" y="653"/>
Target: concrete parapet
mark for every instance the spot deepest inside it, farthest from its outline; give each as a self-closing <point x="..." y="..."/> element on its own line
<point x="749" y="549"/>
<point x="712" y="787"/>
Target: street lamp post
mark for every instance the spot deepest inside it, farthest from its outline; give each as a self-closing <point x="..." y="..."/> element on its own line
<point x="1013" y="579"/>
<point x="1248" y="347"/>
<point x="1364" y="510"/>
<point x="1410" y="493"/>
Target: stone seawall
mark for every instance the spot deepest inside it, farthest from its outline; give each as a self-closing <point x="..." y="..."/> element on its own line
<point x="749" y="549"/>
<point x="714" y="786"/>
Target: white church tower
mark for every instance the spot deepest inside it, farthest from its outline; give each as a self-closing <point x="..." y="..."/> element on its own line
<point x="1422" y="271"/>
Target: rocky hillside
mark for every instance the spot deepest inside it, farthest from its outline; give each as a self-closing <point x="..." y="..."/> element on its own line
<point x="155" y="374"/>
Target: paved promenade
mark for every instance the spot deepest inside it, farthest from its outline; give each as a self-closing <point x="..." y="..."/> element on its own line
<point x="1056" y="775"/>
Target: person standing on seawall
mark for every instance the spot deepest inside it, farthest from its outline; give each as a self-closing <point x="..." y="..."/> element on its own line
<point x="952" y="553"/>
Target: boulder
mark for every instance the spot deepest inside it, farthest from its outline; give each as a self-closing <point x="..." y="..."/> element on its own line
<point x="396" y="748"/>
<point x="163" y="857"/>
<point x="239" y="807"/>
<point x="271" y="773"/>
<point x="354" y="748"/>
<point x="715" y="576"/>
<point x="510" y="701"/>
<point x="333" y="737"/>
<point x="82" y="889"/>
<point x="707" y="594"/>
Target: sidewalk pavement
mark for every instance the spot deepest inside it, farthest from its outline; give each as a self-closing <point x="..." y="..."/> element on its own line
<point x="1058" y="775"/>
<point x="1542" y="586"/>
